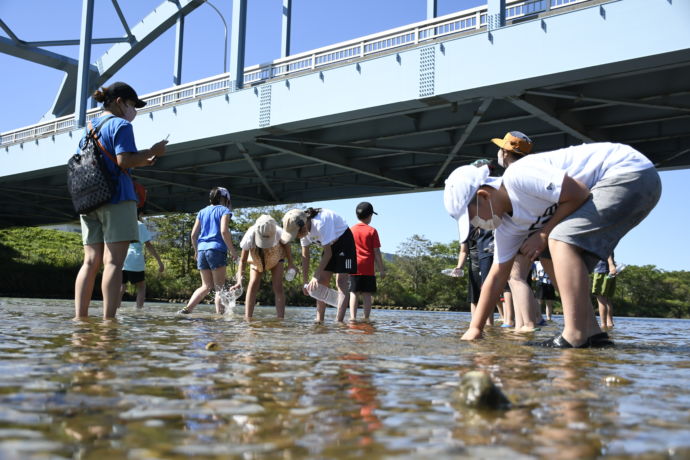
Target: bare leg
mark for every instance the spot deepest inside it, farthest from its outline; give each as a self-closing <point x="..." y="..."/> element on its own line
<point x="141" y="293"/>
<point x="111" y="283"/>
<point x="218" y="283"/>
<point x="508" y="308"/>
<point x="609" y="313"/>
<point x="366" y="304"/>
<point x="252" y="289"/>
<point x="573" y="281"/>
<point x="324" y="279"/>
<point x="548" y="268"/>
<point x="86" y="278"/>
<point x="549" y="309"/>
<point x="601" y="300"/>
<point x="202" y="291"/>
<point x="353" y="305"/>
<point x="523" y="298"/>
<point x="342" y="280"/>
<point x="278" y="291"/>
<point x="499" y="307"/>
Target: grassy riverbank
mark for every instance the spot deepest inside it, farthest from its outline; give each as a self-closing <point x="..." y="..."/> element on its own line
<point x="43" y="263"/>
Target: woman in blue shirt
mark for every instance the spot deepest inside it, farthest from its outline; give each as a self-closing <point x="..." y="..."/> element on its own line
<point x="108" y="230"/>
<point x="211" y="240"/>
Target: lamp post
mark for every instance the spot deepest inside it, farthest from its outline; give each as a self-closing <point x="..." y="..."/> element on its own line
<point x="225" y="32"/>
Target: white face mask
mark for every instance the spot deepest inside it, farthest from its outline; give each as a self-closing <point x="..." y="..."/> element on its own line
<point x="129" y="113"/>
<point x="485" y="224"/>
<point x="499" y="156"/>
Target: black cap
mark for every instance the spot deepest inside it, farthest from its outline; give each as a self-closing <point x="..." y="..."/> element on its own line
<point x="123" y="90"/>
<point x="364" y="210"/>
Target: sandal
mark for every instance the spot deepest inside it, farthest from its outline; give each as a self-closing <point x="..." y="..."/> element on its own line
<point x="600" y="340"/>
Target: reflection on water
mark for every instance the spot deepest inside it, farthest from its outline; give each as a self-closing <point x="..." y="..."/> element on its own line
<point x="145" y="387"/>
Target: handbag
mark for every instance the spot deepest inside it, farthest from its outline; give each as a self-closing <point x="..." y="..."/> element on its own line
<point x="89" y="182"/>
<point x="88" y="179"/>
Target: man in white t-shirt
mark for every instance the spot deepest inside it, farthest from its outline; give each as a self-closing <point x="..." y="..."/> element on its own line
<point x="579" y="200"/>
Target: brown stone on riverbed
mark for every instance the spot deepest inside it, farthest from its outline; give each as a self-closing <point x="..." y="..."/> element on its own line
<point x="478" y="391"/>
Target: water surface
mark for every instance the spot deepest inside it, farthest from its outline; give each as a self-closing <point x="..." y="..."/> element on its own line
<point x="145" y="387"/>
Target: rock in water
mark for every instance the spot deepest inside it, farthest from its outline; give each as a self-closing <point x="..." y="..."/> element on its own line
<point x="479" y="392"/>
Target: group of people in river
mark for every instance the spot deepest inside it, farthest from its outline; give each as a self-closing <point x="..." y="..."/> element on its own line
<point x="567" y="208"/>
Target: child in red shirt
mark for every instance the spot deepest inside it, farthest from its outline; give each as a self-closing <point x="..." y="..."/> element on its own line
<point x="368" y="256"/>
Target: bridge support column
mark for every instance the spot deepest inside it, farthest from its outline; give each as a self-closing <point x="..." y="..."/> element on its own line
<point x="287" y="26"/>
<point x="431" y="9"/>
<point x="84" y="65"/>
<point x="237" y="42"/>
<point x="496" y="14"/>
<point x="179" y="38"/>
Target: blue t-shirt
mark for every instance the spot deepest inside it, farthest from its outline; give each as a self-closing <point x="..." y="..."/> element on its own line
<point x="209" y="219"/>
<point x="117" y="136"/>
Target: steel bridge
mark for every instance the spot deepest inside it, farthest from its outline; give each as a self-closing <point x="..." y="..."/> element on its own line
<point x="390" y="113"/>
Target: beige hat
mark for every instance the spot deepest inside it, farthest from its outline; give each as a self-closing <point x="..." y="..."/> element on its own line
<point x="516" y="142"/>
<point x="293" y="221"/>
<point x="265" y="232"/>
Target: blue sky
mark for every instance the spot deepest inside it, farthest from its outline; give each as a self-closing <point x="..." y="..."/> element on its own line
<point x="27" y="91"/>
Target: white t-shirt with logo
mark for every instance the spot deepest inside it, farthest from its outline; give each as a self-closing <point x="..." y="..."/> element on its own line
<point x="326" y="227"/>
<point x="534" y="186"/>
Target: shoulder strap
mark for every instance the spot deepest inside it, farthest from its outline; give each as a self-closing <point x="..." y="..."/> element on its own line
<point x="94" y="133"/>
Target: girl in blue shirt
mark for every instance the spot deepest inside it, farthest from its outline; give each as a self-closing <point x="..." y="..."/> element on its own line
<point x="108" y="230"/>
<point x="211" y="240"/>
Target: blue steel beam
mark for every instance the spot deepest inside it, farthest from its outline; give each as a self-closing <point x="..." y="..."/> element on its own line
<point x="40" y="56"/>
<point x="496" y="14"/>
<point x="245" y="153"/>
<point x="151" y="27"/>
<point x="431" y="9"/>
<point x="82" y="89"/>
<point x="125" y="26"/>
<point x="546" y="114"/>
<point x="303" y="153"/>
<point x="179" y="40"/>
<point x="286" y="29"/>
<point x="481" y="110"/>
<point x="238" y="34"/>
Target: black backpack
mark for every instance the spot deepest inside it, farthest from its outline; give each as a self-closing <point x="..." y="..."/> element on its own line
<point x="89" y="182"/>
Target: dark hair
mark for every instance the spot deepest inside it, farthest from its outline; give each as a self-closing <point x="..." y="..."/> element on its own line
<point x="312" y="212"/>
<point x="215" y="196"/>
<point x="107" y="94"/>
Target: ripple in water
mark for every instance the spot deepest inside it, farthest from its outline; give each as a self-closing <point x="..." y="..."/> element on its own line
<point x="145" y="386"/>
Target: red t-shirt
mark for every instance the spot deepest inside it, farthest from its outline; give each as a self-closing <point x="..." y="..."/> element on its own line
<point x="366" y="240"/>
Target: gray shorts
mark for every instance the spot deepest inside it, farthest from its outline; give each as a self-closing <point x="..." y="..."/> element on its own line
<point x="615" y="206"/>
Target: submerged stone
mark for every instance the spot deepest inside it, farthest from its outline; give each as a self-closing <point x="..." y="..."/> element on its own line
<point x="611" y="380"/>
<point x="478" y="391"/>
<point x="212" y="346"/>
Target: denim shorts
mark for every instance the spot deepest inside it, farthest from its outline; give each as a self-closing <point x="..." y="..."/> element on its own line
<point x="210" y="259"/>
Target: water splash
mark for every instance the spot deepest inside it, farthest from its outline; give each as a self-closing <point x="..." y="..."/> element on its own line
<point x="229" y="296"/>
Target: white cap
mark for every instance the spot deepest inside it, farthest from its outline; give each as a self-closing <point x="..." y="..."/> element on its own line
<point x="461" y="186"/>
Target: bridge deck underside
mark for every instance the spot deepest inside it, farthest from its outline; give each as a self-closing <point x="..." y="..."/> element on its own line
<point x="404" y="151"/>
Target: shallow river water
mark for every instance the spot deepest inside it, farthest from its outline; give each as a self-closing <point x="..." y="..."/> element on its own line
<point x="146" y="387"/>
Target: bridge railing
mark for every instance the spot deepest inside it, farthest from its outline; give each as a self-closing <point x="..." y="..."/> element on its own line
<point x="462" y="21"/>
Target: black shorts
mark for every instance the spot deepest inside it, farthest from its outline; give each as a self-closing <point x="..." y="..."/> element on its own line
<point x="343" y="255"/>
<point x="132" y="277"/>
<point x="363" y="283"/>
<point x="545" y="291"/>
